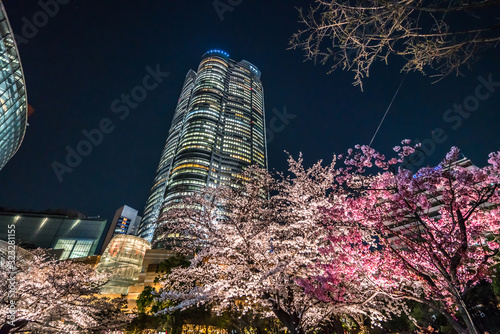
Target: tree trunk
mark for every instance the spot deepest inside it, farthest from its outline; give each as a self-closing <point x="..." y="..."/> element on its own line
<point x="260" y="330"/>
<point x="291" y="321"/>
<point x="360" y="321"/>
<point x="467" y="318"/>
<point x="176" y="323"/>
<point x="455" y="324"/>
<point x="337" y="325"/>
<point x="17" y="325"/>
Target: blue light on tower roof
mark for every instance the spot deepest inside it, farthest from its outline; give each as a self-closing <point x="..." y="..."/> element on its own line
<point x="219" y="51"/>
<point x="253" y="69"/>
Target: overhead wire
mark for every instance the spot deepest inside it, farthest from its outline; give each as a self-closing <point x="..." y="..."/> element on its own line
<point x="388" y="108"/>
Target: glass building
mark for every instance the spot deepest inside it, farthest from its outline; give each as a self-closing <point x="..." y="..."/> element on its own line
<point x="13" y="102"/>
<point x="74" y="237"/>
<point x="218" y="128"/>
<point x="122" y="259"/>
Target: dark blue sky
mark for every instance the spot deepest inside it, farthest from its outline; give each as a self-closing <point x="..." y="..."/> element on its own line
<point x="93" y="51"/>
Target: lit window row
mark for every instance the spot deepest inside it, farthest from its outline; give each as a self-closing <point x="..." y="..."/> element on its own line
<point x="189" y="165"/>
<point x="239" y="157"/>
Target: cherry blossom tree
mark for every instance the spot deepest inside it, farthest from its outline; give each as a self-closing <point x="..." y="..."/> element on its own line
<point x="436" y="36"/>
<point x="44" y="295"/>
<point x="440" y="226"/>
<point x="255" y="242"/>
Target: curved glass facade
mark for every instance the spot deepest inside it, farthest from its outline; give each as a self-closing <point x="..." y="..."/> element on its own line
<point x="218" y="129"/>
<point x="122" y="259"/>
<point x="13" y="102"/>
<point x="155" y="200"/>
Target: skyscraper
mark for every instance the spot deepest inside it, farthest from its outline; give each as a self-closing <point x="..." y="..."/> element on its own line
<point x="13" y="102"/>
<point x="218" y="128"/>
<point x="125" y="221"/>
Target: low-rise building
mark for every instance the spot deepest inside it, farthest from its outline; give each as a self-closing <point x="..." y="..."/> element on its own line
<point x="75" y="237"/>
<point x="123" y="260"/>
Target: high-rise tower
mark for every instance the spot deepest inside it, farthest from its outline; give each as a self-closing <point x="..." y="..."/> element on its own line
<point x="218" y="128"/>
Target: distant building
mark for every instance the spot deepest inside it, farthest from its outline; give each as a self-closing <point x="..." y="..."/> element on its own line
<point x="74" y="237"/>
<point x="218" y="128"/>
<point x="125" y="221"/>
<point x="123" y="259"/>
<point x="13" y="100"/>
<point x="412" y="225"/>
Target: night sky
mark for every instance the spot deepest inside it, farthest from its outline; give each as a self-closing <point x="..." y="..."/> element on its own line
<point x="93" y="51"/>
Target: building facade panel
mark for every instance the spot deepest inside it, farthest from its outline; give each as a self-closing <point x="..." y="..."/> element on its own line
<point x="125" y="221"/>
<point x="13" y="101"/>
<point x="122" y="259"/>
<point x="76" y="237"/>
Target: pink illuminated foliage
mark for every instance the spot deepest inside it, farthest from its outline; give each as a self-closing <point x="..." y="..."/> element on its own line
<point x="332" y="243"/>
<point x="438" y="228"/>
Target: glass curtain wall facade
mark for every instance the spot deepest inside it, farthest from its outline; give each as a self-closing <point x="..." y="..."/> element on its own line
<point x="13" y="101"/>
<point x="123" y="260"/>
<point x="218" y="128"/>
<point x="155" y="200"/>
<point x="76" y="237"/>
